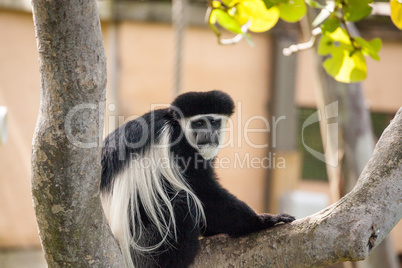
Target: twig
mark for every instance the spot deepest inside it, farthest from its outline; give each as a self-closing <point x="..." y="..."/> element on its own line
<point x="302" y="46"/>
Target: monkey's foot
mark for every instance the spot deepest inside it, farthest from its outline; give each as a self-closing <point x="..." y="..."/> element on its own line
<point x="283" y="217"/>
<point x="270" y="220"/>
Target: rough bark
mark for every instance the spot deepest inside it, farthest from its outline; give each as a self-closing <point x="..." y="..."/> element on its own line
<point x="346" y="231"/>
<point x="66" y="149"/>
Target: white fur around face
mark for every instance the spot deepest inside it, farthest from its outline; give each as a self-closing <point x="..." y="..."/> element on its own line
<point x="208" y="151"/>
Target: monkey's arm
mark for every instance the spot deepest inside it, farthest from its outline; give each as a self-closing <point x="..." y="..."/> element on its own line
<point x="227" y="214"/>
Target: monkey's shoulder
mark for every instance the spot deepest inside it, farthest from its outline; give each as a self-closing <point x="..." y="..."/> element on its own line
<point x="144" y="128"/>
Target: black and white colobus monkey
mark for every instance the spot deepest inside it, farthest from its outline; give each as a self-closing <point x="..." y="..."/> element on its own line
<point x="159" y="190"/>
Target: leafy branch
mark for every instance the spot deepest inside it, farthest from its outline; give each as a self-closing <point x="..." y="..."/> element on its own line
<point x="347" y="53"/>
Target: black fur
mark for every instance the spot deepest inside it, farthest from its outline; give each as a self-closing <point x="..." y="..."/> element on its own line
<point x="211" y="102"/>
<point x="133" y="137"/>
<point x="225" y="214"/>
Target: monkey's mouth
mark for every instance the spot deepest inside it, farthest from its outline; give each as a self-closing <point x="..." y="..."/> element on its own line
<point x="207" y="140"/>
<point x="207" y="145"/>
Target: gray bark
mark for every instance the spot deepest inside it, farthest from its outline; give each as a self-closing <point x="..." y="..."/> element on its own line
<point x="66" y="150"/>
<point x="346" y="231"/>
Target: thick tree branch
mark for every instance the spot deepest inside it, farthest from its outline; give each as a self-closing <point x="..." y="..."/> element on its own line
<point x="346" y="231"/>
<point x="66" y="149"/>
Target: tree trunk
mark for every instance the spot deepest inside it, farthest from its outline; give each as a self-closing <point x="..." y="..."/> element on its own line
<point x="346" y="231"/>
<point x="66" y="145"/>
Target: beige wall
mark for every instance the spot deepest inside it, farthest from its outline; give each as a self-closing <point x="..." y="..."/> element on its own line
<point x="383" y="86"/>
<point x="19" y="91"/>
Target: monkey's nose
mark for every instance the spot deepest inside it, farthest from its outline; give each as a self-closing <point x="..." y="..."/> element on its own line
<point x="207" y="138"/>
<point x="203" y="138"/>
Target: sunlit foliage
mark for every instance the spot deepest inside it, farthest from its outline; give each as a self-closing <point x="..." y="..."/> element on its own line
<point x="346" y="53"/>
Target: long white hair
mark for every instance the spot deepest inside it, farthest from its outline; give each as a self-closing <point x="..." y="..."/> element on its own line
<point x="150" y="180"/>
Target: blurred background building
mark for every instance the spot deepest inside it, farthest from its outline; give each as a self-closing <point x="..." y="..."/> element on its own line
<point x="143" y="73"/>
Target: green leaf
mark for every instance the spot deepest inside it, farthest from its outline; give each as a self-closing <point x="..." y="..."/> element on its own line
<point x="370" y="48"/>
<point x="292" y="11"/>
<point x="345" y="67"/>
<point x="280" y="1"/>
<point x="216" y="4"/>
<point x="225" y="20"/>
<point x="340" y="36"/>
<point x="330" y="25"/>
<point x="356" y="9"/>
<point x="269" y="3"/>
<point x="230" y="3"/>
<point x="255" y="11"/>
<point x="345" y="64"/>
<point x="396" y="13"/>
<point x="314" y="4"/>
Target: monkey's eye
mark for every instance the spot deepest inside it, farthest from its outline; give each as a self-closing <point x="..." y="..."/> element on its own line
<point x="199" y="123"/>
<point x="215" y="122"/>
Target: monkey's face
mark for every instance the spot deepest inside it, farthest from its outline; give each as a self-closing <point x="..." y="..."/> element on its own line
<point x="205" y="133"/>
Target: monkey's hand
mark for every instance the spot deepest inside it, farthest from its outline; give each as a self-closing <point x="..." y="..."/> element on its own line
<point x="269" y="220"/>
